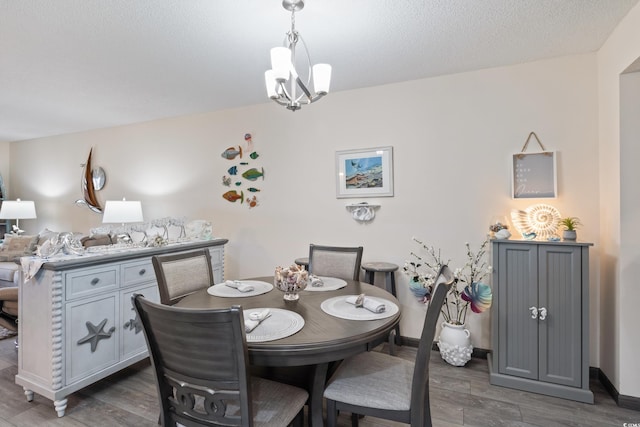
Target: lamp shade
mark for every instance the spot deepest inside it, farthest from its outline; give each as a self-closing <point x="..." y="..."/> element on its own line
<point x="18" y="209"/>
<point x="281" y="63"/>
<point x="321" y="78"/>
<point x="122" y="211"/>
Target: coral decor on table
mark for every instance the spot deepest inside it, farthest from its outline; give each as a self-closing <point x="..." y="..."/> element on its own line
<point x="291" y="280"/>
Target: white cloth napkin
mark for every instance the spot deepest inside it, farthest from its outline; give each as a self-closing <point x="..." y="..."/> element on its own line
<point x="237" y="284"/>
<point x="315" y="281"/>
<point x="254" y="319"/>
<point x="368" y="303"/>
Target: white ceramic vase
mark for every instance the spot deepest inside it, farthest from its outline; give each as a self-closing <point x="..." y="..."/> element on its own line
<point x="455" y="344"/>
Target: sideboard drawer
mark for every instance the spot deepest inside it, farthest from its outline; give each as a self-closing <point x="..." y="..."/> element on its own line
<point x="88" y="281"/>
<point x="134" y="273"/>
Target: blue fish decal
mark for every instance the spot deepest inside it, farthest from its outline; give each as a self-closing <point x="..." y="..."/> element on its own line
<point x="238" y="183"/>
<point x="231" y="153"/>
<point x="253" y="189"/>
<point x="233" y="170"/>
<point x="253" y="174"/>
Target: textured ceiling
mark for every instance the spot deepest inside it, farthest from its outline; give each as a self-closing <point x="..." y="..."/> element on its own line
<point x="74" y="65"/>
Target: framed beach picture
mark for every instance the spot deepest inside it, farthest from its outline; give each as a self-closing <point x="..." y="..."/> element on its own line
<point x="364" y="173"/>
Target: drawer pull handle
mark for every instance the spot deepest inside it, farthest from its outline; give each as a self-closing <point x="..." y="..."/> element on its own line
<point x="141" y="272"/>
<point x="95" y="280"/>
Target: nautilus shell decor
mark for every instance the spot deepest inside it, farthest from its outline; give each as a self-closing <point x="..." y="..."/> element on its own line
<point x="540" y="221"/>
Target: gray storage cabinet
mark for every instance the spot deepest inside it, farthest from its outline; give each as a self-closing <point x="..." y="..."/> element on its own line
<point x="540" y="318"/>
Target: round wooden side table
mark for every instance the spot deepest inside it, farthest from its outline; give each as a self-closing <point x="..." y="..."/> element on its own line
<point x="389" y="269"/>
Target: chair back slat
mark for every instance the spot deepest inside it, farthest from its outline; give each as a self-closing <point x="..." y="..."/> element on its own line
<point x="200" y="359"/>
<point x="335" y="261"/>
<point x="420" y="409"/>
<point x="182" y="274"/>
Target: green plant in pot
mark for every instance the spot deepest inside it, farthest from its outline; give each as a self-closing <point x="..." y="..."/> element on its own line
<point x="570" y="225"/>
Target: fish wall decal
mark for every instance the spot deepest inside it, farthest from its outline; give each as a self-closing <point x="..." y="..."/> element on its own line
<point x="253" y="174"/>
<point x="231" y="153"/>
<point x="232" y="196"/>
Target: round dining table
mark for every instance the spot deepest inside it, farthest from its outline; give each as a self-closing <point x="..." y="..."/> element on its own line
<point x="323" y="339"/>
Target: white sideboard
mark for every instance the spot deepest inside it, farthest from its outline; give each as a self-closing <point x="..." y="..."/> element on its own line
<point x="77" y="324"/>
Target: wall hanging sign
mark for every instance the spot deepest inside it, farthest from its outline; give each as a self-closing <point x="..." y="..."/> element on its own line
<point x="243" y="175"/>
<point x="534" y="174"/>
<point x="364" y="173"/>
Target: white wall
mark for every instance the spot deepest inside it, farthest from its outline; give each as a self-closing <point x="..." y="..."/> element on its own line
<point x="619" y="290"/>
<point x="4" y="162"/>
<point x="453" y="137"/>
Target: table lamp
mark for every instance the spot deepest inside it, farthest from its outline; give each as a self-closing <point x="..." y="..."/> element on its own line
<point x="122" y="211"/>
<point x="17" y="209"/>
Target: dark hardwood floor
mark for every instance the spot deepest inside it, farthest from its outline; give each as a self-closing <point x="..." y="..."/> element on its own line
<point x="459" y="397"/>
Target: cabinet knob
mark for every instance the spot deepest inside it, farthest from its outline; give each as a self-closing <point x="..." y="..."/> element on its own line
<point x="534" y="312"/>
<point x="543" y="313"/>
<point x="141" y="272"/>
<point x="95" y="281"/>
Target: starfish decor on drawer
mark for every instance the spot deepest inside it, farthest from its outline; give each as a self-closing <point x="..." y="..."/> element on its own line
<point x="96" y="333"/>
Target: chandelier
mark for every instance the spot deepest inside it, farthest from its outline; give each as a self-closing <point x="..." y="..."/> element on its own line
<point x="283" y="80"/>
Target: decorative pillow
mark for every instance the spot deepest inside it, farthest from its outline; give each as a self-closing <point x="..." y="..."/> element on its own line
<point x="96" y="240"/>
<point x="11" y="256"/>
<point x="15" y="243"/>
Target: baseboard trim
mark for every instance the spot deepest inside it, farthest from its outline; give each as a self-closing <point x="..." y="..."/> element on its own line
<point x="627" y="402"/>
<point x="479" y="353"/>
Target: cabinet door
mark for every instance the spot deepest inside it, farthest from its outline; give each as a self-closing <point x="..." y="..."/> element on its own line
<point x="560" y="293"/>
<point x="517" y="291"/>
<point x="133" y="341"/>
<point x="91" y="336"/>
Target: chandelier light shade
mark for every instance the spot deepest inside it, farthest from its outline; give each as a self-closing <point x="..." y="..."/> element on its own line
<point x="284" y="84"/>
<point x="17" y="209"/>
<point x="122" y="211"/>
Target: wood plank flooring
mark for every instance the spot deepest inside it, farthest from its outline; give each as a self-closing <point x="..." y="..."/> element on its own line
<point x="459" y="397"/>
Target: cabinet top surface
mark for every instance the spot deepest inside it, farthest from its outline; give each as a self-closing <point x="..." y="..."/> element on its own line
<point x="120" y="255"/>
<point x="540" y="242"/>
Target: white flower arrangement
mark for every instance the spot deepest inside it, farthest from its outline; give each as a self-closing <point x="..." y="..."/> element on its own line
<point x="422" y="270"/>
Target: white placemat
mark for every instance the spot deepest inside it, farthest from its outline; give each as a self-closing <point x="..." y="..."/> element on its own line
<point x="329" y="284"/>
<point x="281" y="324"/>
<point x="339" y="307"/>
<point x="222" y="290"/>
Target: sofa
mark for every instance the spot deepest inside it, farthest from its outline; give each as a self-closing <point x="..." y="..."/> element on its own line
<point x="12" y="249"/>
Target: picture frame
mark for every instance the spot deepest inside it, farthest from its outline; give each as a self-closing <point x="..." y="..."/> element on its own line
<point x="534" y="175"/>
<point x="364" y="173"/>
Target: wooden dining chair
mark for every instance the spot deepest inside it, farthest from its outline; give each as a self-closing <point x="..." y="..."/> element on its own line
<point x="383" y="386"/>
<point x="201" y="365"/>
<point x="335" y="261"/>
<point x="181" y="274"/>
